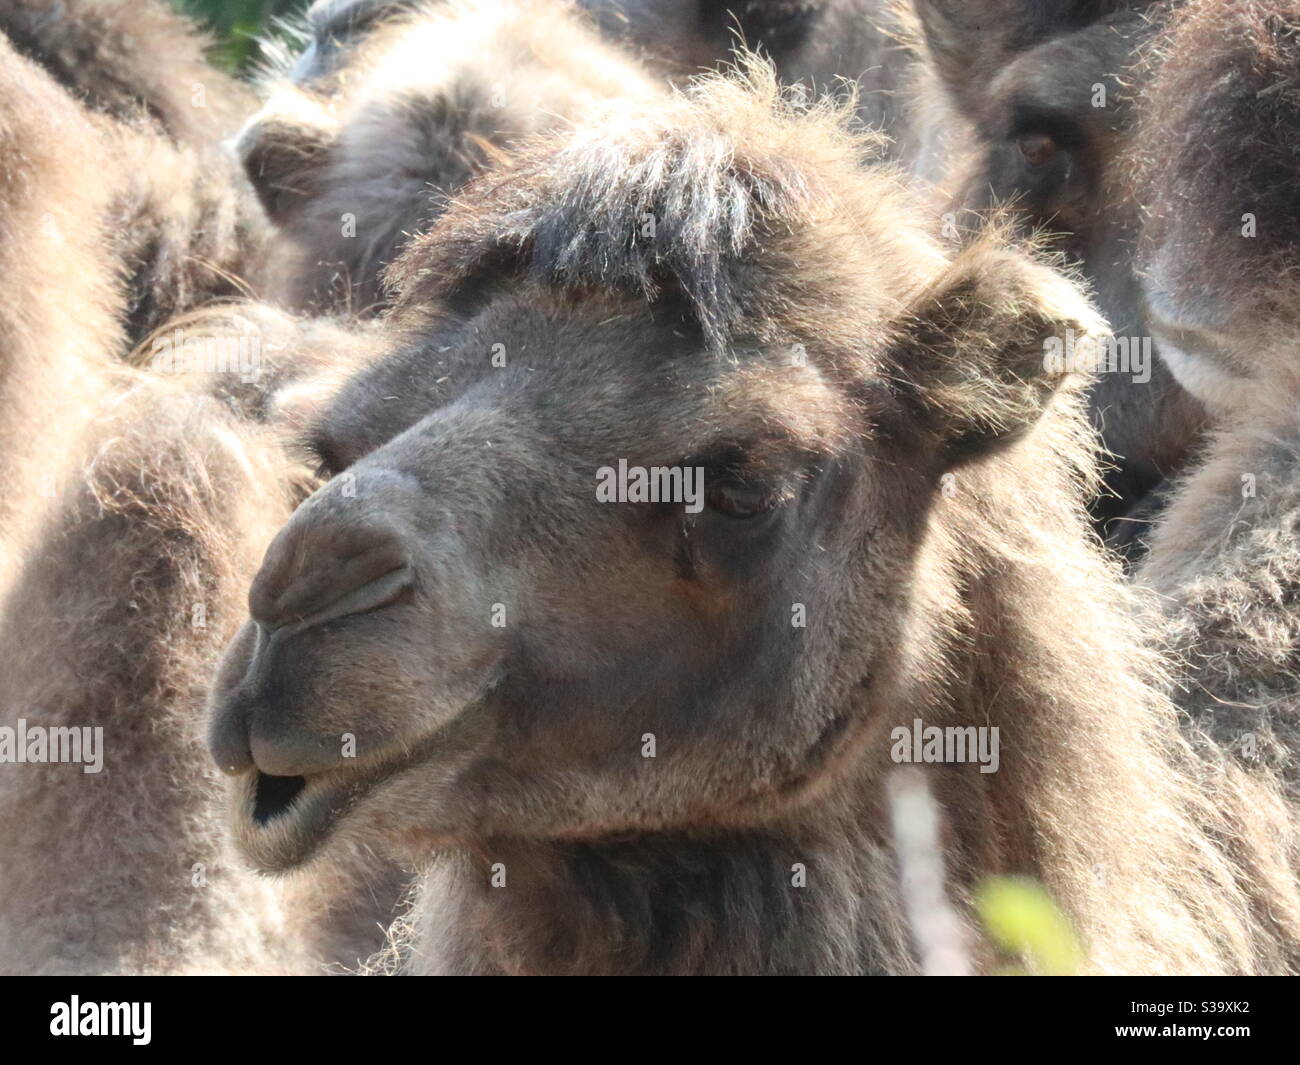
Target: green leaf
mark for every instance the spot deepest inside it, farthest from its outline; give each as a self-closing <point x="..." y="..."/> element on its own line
<point x="1024" y="921"/>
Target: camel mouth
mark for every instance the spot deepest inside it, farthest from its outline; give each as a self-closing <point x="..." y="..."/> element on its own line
<point x="273" y="797"/>
<point x="280" y="822"/>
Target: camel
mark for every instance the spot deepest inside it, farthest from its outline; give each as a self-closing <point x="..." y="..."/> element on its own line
<point x="110" y="625"/>
<point x="132" y="61"/>
<point x="54" y="339"/>
<point x="822" y="44"/>
<point x="631" y="738"/>
<point x="179" y="218"/>
<point x="1031" y="105"/>
<point x="363" y="138"/>
<point x="135" y="505"/>
<point x="188" y="229"/>
<point x="136" y="227"/>
<point x="330" y="32"/>
<point x="363" y="143"/>
<point x="1217" y="252"/>
<point x="183" y="222"/>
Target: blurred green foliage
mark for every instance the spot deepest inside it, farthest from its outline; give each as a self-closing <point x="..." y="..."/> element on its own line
<point x="1021" y="918"/>
<point x="238" y="24"/>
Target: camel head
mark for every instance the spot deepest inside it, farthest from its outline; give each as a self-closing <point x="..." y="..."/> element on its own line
<point x="468" y="633"/>
<point x="392" y="107"/>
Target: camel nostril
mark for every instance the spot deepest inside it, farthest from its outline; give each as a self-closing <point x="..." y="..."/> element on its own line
<point x="385" y="589"/>
<point x="317" y="570"/>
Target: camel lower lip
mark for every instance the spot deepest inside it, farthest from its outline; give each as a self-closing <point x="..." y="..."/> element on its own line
<point x="281" y="821"/>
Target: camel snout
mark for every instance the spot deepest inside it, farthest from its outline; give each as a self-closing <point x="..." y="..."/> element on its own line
<point x="336" y="558"/>
<point x="322" y="567"/>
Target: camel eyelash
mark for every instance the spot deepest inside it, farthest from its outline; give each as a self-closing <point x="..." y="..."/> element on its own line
<point x="321" y="452"/>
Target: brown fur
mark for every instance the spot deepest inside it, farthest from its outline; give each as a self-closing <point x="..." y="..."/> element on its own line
<point x="1219" y="125"/>
<point x="1224" y="562"/>
<point x="134" y="227"/>
<point x="822" y="44"/>
<point x="188" y="229"/>
<point x="352" y="162"/>
<point x="170" y="226"/>
<point x="113" y="619"/>
<point x="134" y="60"/>
<point x="1006" y="74"/>
<point x="128" y="502"/>
<point x="55" y="339"/>
<point x="1215" y="149"/>
<point x="184" y="224"/>
<point x="519" y="750"/>
<point x="970" y="40"/>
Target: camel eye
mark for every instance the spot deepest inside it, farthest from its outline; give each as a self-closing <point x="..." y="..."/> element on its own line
<point x="1037" y="148"/>
<point x="739" y="501"/>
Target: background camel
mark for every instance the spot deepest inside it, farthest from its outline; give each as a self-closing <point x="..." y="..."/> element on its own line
<point x="363" y="150"/>
<point x="182" y="222"/>
<point x="135" y="226"/>
<point x="54" y="340"/>
<point x="134" y="507"/>
<point x="624" y="729"/>
<point x="130" y="505"/>
<point x="361" y="143"/>
<point x="1031" y="103"/>
<point x="137" y="60"/>
<point x="113" y="618"/>
<point x="825" y="45"/>
<point x="1220" y="244"/>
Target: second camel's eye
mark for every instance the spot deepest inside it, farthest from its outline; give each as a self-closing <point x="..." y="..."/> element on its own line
<point x="1037" y="148"/>
<point x="737" y="500"/>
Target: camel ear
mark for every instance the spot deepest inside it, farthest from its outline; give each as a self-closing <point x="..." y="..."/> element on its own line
<point x="284" y="149"/>
<point x="988" y="345"/>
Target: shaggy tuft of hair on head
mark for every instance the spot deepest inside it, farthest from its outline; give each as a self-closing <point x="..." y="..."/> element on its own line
<point x="679" y="198"/>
